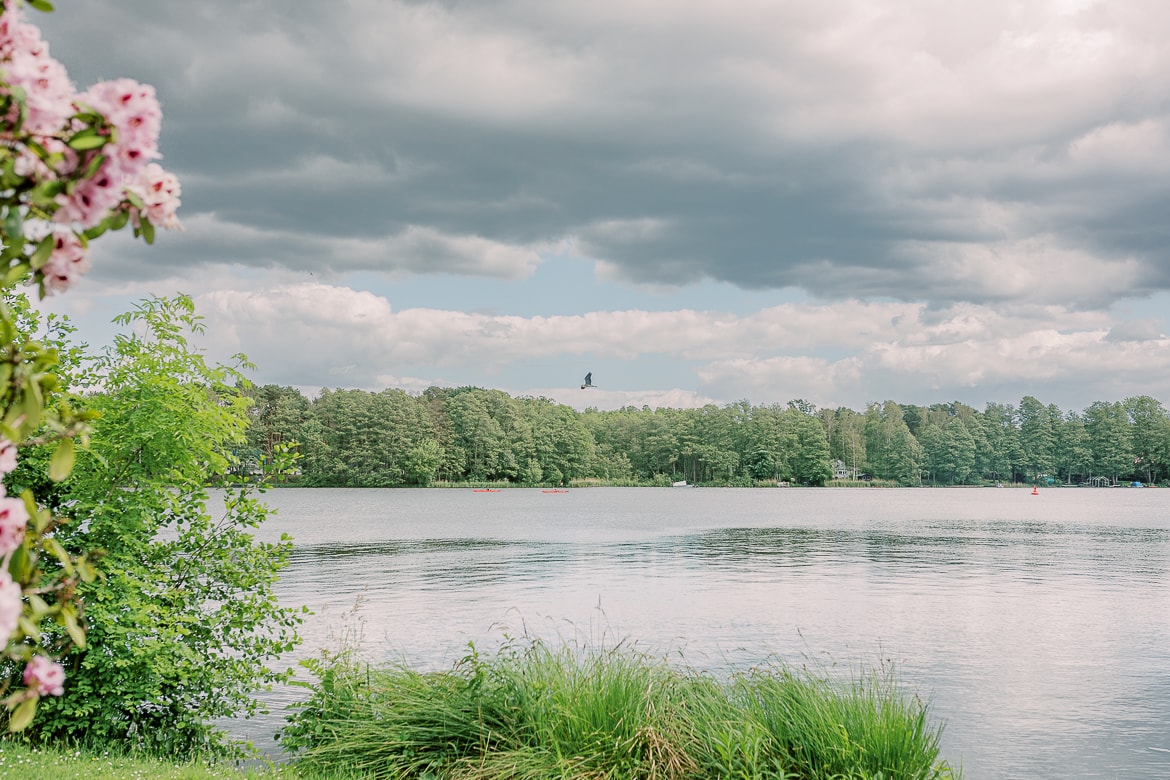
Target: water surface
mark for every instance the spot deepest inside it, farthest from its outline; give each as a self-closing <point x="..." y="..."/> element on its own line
<point x="1037" y="626"/>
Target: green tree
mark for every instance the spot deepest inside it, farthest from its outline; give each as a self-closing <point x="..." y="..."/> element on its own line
<point x="1150" y="429"/>
<point x="1074" y="455"/>
<point x="1037" y="438"/>
<point x="810" y="459"/>
<point x="275" y="417"/>
<point x="560" y="439"/>
<point x="1110" y="440"/>
<point x="184" y="622"/>
<point x="998" y="453"/>
<point x="477" y="434"/>
<point x="893" y="452"/>
<point x="948" y="451"/>
<point x="423" y="461"/>
<point x="845" y="430"/>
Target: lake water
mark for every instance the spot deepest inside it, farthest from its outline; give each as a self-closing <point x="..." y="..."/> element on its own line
<point x="1038" y="626"/>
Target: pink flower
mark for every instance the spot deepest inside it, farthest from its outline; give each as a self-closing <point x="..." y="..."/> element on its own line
<point x="67" y="263"/>
<point x="11" y="605"/>
<point x="45" y="677"/>
<point x="7" y="456"/>
<point x="133" y="110"/>
<point x="13" y="521"/>
<point x="29" y="165"/>
<point x="25" y="63"/>
<point x="159" y="191"/>
<point x="93" y="199"/>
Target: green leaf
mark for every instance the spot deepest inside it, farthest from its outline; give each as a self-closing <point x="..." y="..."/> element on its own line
<point x="76" y="633"/>
<point x="38" y="604"/>
<point x="14" y="224"/>
<point x="62" y="463"/>
<point x="119" y="219"/>
<point x="86" y="139"/>
<point x="15" y="274"/>
<point x="147" y="230"/>
<point x="32" y="405"/>
<point x="42" y="253"/>
<point x="41" y="5"/>
<point x="18" y="563"/>
<point x="29" y="628"/>
<point x="92" y="169"/>
<point x="97" y="229"/>
<point x="53" y="546"/>
<point x="25" y="711"/>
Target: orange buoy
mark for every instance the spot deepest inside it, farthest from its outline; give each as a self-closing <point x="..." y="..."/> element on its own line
<point x="1035" y="492"/>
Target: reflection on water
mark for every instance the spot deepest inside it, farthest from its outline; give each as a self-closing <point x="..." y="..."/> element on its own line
<point x="1038" y="626"/>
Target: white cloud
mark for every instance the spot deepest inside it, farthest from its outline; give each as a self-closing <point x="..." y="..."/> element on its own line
<point x="845" y="353"/>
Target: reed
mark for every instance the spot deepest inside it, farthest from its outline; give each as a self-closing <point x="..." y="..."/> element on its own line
<point x="534" y="712"/>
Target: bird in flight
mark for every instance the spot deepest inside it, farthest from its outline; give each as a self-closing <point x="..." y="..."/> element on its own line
<point x="588" y="381"/>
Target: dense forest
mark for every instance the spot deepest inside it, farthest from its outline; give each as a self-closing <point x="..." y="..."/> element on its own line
<point x="357" y="438"/>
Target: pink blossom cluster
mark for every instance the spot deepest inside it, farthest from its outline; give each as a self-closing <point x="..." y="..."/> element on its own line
<point x="68" y="261"/>
<point x="44" y="676"/>
<point x="133" y="111"/>
<point x="11" y="605"/>
<point x="159" y="192"/>
<point x="27" y="64"/>
<point x="13" y="521"/>
<point x="41" y="676"/>
<point x="117" y="175"/>
<point x="13" y="512"/>
<point x="7" y="458"/>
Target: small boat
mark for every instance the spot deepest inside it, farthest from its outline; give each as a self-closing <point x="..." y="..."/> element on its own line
<point x="555" y="490"/>
<point x="485" y="490"/>
<point x="681" y="483"/>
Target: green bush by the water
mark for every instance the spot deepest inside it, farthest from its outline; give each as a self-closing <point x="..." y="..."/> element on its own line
<point x="531" y="712"/>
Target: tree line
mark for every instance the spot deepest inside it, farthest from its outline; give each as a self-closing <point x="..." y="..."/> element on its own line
<point x="356" y="438"/>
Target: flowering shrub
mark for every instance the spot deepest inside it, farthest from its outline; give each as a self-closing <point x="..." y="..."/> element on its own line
<point x="72" y="166"/>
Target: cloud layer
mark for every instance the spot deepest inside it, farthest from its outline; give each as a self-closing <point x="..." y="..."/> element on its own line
<point x="966" y="194"/>
<point x="847" y="353"/>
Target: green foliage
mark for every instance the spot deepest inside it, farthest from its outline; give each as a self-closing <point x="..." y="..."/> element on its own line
<point x="892" y="451"/>
<point x="184" y="622"/>
<point x="470" y="435"/>
<point x="535" y="712"/>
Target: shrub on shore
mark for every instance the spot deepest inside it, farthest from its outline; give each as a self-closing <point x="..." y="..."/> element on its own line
<point x="532" y="712"/>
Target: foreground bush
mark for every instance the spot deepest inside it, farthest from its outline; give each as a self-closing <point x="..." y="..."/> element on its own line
<point x="184" y="626"/>
<point x="534" y="713"/>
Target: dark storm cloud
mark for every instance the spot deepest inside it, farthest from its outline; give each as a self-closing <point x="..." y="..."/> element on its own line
<point x="819" y="146"/>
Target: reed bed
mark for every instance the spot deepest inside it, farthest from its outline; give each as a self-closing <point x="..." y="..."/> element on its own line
<point x="535" y="712"/>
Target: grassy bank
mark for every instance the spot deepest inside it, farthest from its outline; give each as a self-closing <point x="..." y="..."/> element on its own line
<point x="20" y="761"/>
<point x="532" y="712"/>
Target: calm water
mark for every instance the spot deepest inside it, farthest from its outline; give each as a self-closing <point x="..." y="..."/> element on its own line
<point x="1038" y="626"/>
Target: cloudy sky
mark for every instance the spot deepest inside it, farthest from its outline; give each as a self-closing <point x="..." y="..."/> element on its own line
<point x="838" y="200"/>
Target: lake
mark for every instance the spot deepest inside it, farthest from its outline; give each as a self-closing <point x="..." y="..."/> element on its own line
<point x="1038" y="626"/>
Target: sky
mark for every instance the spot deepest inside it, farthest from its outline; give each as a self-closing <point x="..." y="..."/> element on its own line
<point x="841" y="201"/>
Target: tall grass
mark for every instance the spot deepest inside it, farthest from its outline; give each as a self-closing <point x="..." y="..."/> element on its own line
<point x="533" y="712"/>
